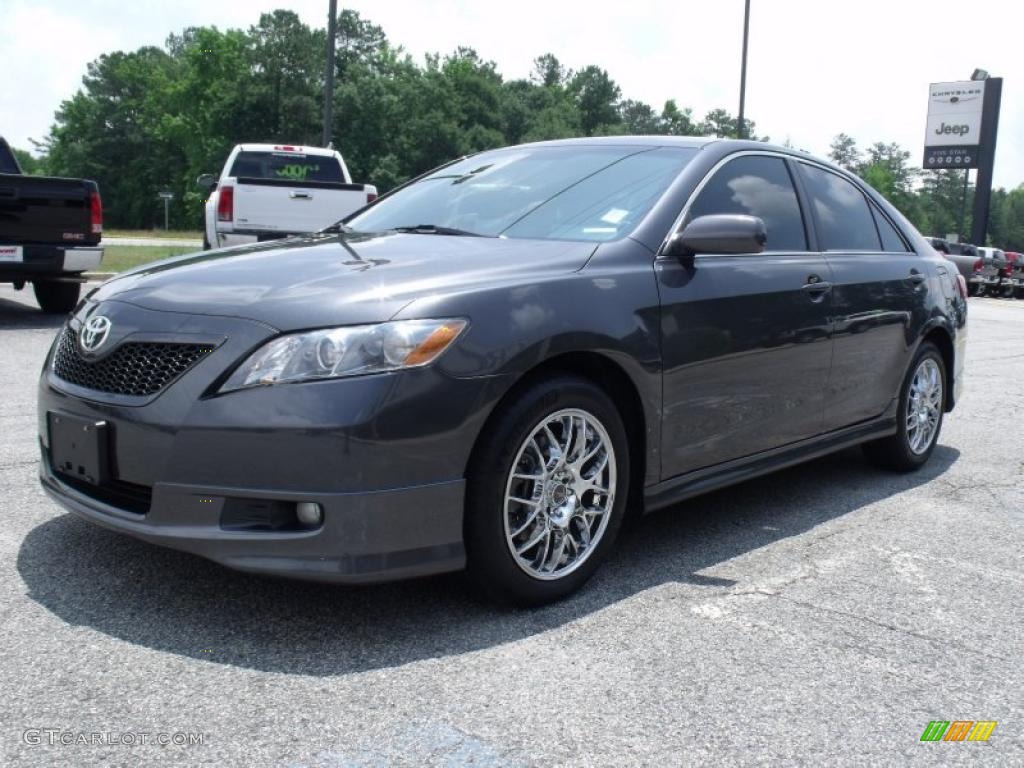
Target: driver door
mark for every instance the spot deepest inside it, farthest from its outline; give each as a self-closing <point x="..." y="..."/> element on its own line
<point x="746" y="339"/>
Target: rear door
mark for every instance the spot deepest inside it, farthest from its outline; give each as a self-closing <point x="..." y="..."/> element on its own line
<point x="289" y="191"/>
<point x="745" y="339"/>
<point x="878" y="297"/>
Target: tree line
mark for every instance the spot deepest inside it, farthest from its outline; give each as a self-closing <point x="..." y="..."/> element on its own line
<point x="155" y="118"/>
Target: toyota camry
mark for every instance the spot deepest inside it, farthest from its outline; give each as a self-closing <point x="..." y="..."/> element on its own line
<point x="485" y="369"/>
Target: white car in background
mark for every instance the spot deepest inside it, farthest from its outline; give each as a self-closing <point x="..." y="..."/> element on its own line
<point x="270" y="191"/>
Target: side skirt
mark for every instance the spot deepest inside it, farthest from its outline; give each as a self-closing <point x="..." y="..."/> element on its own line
<point x="700" y="481"/>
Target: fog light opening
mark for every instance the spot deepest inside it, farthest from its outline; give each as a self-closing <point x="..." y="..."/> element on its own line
<point x="309" y="514"/>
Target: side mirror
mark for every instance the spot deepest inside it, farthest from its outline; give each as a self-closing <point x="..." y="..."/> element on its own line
<point x="721" y="234"/>
<point x="206" y="181"/>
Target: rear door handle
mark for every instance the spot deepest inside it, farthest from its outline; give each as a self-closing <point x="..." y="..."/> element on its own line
<point x="916" y="277"/>
<point x="301" y="196"/>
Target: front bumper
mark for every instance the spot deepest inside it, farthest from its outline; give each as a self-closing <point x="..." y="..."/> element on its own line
<point x="383" y="455"/>
<point x="365" y="537"/>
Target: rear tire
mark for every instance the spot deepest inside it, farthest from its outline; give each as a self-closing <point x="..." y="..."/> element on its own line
<point x="56" y="297"/>
<point x="586" y="468"/>
<point x="919" y="418"/>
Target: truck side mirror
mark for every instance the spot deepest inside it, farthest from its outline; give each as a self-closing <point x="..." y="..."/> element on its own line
<point x="206" y="181"/>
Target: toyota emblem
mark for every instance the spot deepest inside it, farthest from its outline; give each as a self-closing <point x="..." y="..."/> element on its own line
<point x="94" y="333"/>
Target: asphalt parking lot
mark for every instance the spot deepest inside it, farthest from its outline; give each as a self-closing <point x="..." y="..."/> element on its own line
<point x="823" y="615"/>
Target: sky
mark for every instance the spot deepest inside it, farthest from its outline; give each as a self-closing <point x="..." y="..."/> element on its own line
<point x="816" y="67"/>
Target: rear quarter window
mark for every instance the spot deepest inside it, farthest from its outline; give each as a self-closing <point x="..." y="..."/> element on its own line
<point x="7" y="162"/>
<point x="892" y="242"/>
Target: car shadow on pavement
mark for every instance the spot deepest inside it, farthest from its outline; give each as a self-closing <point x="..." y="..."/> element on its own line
<point x="182" y="604"/>
<point x="15" y="315"/>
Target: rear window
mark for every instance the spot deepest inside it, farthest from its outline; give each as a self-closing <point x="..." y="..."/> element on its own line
<point x="287" y="166"/>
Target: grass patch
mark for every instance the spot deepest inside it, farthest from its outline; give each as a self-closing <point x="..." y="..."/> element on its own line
<point x="117" y="258"/>
<point x="158" y="234"/>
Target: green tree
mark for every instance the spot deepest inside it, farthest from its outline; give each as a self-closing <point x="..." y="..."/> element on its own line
<point x="597" y="97"/>
<point x="678" y="122"/>
<point x="549" y="72"/>
<point x="843" y="152"/>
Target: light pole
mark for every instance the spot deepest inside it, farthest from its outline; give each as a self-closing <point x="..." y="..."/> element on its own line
<point x="332" y="18"/>
<point x="741" y="128"/>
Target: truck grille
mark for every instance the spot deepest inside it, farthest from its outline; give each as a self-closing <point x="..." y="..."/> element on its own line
<point x="135" y="368"/>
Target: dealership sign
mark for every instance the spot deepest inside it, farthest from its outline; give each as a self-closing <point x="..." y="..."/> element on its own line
<point x="953" y="133"/>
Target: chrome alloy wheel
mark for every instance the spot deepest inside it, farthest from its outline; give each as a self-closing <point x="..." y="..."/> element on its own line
<point x="924" y="406"/>
<point x="559" y="494"/>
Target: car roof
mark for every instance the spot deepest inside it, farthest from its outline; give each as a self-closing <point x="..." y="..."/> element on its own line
<point x="629" y="141"/>
<point x="720" y="146"/>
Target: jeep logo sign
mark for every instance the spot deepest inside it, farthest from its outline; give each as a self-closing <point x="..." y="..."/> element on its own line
<point x="954" y="124"/>
<point x="956" y="130"/>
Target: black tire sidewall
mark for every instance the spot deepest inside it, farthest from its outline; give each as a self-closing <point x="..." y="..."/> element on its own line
<point x="56" y="297"/>
<point x="489" y="562"/>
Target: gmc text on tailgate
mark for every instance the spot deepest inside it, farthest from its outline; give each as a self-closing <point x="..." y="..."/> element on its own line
<point x="50" y="229"/>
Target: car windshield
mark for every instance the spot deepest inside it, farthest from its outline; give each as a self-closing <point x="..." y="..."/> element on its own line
<point x="286" y="166"/>
<point x="577" y="192"/>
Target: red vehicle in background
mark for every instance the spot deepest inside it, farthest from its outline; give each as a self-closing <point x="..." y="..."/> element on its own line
<point x="1012" y="275"/>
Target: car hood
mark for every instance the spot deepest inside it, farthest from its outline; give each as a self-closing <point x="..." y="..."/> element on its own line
<point x="324" y="280"/>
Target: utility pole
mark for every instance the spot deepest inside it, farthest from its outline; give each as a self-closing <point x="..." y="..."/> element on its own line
<point x="741" y="128"/>
<point x="332" y="21"/>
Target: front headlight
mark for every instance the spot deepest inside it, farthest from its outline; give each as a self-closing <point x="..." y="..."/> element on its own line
<point x="349" y="351"/>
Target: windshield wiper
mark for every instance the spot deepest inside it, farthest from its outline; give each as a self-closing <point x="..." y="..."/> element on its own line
<point x="433" y="229"/>
<point x="336" y="228"/>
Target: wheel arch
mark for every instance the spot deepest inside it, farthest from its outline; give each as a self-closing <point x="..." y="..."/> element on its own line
<point x="612" y="378"/>
<point x="941" y="338"/>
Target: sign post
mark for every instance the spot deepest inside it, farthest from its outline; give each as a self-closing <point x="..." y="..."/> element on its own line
<point x="166" y="195"/>
<point x="989" y="131"/>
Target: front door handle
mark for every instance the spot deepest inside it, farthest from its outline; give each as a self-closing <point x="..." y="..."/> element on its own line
<point x="815" y="284"/>
<point x="301" y="196"/>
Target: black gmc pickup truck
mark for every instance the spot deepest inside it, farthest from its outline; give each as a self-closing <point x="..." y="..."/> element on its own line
<point x="50" y="229"/>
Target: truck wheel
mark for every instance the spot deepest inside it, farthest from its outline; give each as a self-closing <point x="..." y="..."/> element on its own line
<point x="546" y="493"/>
<point x="56" y="297"/>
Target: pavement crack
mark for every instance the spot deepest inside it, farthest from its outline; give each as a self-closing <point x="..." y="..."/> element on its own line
<point x="987" y="654"/>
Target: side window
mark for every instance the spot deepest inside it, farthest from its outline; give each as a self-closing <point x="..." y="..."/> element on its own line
<point x="844" y="220"/>
<point x="757" y="186"/>
<point x="891" y="240"/>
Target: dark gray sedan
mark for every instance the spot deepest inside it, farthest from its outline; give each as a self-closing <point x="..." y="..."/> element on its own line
<point x="486" y="368"/>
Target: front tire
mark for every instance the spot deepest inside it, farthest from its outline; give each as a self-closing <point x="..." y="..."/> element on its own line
<point x="919" y="419"/>
<point x="56" y="297"/>
<point x="547" y="492"/>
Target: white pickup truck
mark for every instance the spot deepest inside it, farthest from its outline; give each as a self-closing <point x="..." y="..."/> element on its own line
<point x="270" y="191"/>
